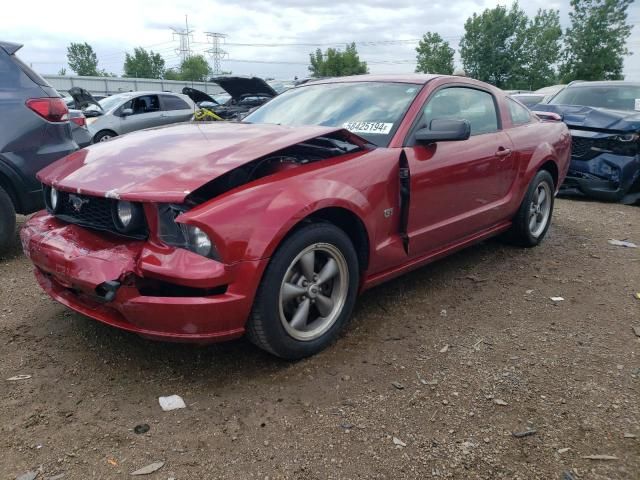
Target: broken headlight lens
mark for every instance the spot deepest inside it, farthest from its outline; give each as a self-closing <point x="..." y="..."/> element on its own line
<point x="181" y="235"/>
<point x="53" y="198"/>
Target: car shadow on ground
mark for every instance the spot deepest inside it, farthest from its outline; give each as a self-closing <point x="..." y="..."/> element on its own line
<point x="220" y="363"/>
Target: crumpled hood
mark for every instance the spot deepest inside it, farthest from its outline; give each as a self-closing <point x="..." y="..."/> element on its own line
<point x="593" y="118"/>
<point x="166" y="164"/>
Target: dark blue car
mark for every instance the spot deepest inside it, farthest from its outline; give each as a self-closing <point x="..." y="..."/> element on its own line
<point x="34" y="132"/>
<point x="604" y="119"/>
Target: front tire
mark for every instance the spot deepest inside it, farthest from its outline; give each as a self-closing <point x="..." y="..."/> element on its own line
<point x="307" y="293"/>
<point x="103" y="136"/>
<point x="531" y="223"/>
<point x="7" y="221"/>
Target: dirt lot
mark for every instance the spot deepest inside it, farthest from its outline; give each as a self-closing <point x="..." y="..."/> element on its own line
<point x="515" y="361"/>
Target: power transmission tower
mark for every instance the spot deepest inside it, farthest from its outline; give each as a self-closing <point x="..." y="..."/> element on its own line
<point x="216" y="52"/>
<point x="184" y="34"/>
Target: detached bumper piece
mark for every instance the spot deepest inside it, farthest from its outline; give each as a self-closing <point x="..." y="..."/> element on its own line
<point x="156" y="291"/>
<point x="606" y="177"/>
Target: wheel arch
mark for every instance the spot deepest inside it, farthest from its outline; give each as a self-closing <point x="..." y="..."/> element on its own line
<point x="347" y="221"/>
<point x="102" y="130"/>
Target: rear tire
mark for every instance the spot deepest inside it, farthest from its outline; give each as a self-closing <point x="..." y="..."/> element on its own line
<point x="307" y="293"/>
<point x="7" y="221"/>
<point x="103" y="136"/>
<point x="531" y="223"/>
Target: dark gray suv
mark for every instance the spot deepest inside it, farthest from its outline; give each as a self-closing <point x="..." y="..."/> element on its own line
<point x="34" y="132"/>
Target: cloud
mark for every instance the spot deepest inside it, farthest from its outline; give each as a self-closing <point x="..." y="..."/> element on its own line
<point x="148" y="23"/>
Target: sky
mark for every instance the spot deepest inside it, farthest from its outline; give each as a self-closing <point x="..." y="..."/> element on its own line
<point x="265" y="38"/>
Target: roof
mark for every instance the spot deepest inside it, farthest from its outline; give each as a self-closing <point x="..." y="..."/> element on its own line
<point x="416" y="78"/>
<point x="603" y="83"/>
<point x="10" y="47"/>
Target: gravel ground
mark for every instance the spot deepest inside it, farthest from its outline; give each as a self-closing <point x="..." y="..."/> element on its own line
<point x="435" y="374"/>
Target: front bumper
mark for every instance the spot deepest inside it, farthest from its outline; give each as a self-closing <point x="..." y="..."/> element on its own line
<point x="606" y="177"/>
<point x="202" y="300"/>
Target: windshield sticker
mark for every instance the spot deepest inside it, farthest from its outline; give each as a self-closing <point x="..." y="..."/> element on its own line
<point x="368" y="127"/>
<point x="637" y="107"/>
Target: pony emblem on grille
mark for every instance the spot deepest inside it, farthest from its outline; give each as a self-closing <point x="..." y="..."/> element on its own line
<point x="77" y="202"/>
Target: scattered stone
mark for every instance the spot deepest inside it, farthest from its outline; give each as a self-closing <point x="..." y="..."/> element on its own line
<point x="529" y="292"/>
<point x="398" y="385"/>
<point x="17" y="378"/>
<point x="443" y="312"/>
<point x="557" y="299"/>
<point x="499" y="401"/>
<point x="142" y="428"/>
<point x="171" y="402"/>
<point x="428" y="382"/>
<point x="398" y="442"/>
<point x="600" y="457"/>
<point x="525" y="433"/>
<point x="563" y="450"/>
<point x="568" y="476"/>
<point x="27" y="476"/>
<point x="445" y="349"/>
<point x="636" y="330"/>
<point x="476" y="278"/>
<point x="346" y="425"/>
<point x="630" y="435"/>
<point x="152" y="467"/>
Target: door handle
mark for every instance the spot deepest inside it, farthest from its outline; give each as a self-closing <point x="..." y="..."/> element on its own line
<point x="503" y="152"/>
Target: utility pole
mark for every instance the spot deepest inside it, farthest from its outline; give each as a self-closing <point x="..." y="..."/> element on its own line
<point x="184" y="35"/>
<point x="216" y="52"/>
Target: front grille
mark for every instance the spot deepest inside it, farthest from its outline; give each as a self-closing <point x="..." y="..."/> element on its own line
<point x="92" y="212"/>
<point x="581" y="148"/>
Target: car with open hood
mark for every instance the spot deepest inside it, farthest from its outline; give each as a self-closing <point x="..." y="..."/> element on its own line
<point x="270" y="227"/>
<point x="245" y="94"/>
<point x="604" y="119"/>
<point x="131" y="111"/>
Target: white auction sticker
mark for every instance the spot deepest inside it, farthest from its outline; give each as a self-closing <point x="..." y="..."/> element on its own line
<point x="368" y="127"/>
<point x="637" y="106"/>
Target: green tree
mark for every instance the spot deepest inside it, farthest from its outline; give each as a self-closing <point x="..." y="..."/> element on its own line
<point x="336" y="63"/>
<point x="492" y="45"/>
<point x="434" y="55"/>
<point x="82" y="59"/>
<point x="143" y="64"/>
<point x="195" y="68"/>
<point x="541" y="51"/>
<point x="596" y="41"/>
<point x="171" y="74"/>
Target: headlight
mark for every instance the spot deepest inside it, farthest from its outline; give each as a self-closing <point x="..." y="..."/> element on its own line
<point x="181" y="235"/>
<point x="127" y="216"/>
<point x="53" y="198"/>
<point x="199" y="241"/>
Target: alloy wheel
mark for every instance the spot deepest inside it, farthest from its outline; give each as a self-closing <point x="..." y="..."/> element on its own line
<point x="540" y="209"/>
<point x="314" y="291"/>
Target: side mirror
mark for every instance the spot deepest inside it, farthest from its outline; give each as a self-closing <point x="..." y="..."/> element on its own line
<point x="127" y="112"/>
<point x="444" y="129"/>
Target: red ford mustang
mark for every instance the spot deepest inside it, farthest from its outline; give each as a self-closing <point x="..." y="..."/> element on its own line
<point x="270" y="227"/>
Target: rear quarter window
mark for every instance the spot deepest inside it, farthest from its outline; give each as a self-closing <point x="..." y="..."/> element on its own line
<point x="169" y="102"/>
<point x="519" y="115"/>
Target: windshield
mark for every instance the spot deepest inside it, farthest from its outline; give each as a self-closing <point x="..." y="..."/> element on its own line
<point x="615" y="97"/>
<point x="372" y="110"/>
<point x="108" y="103"/>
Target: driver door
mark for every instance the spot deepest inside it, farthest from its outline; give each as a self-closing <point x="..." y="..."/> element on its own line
<point x="457" y="187"/>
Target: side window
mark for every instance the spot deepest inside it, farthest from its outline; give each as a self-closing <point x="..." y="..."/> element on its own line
<point x="170" y="102"/>
<point x="145" y="104"/>
<point x="519" y="114"/>
<point x="475" y="106"/>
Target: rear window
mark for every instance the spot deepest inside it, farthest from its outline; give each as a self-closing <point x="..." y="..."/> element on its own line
<point x="30" y="73"/>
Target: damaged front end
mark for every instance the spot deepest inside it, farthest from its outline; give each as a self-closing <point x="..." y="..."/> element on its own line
<point x="604" y="165"/>
<point x="137" y="260"/>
